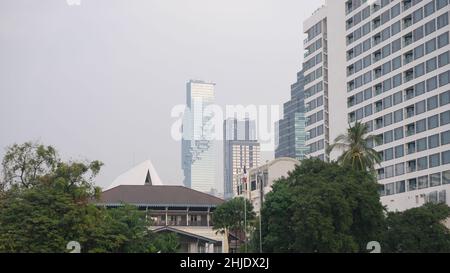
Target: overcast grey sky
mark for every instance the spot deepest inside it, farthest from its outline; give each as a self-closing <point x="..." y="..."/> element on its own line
<point x="99" y="80"/>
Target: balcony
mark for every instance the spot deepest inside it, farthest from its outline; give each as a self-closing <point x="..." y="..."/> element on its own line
<point x="411" y="168"/>
<point x="350" y="39"/>
<point x="408" y="57"/>
<point x="376" y="7"/>
<point x="378" y="73"/>
<point x="409" y="75"/>
<point x="378" y="89"/>
<point x="409" y="94"/>
<point x="378" y="107"/>
<point x="411" y="148"/>
<point x="407" y="22"/>
<point x="349" y="7"/>
<point x="351" y="101"/>
<point x="410" y="130"/>
<point x="410" y="112"/>
<point x="376" y="23"/>
<point x="407" y="4"/>
<point x="378" y="123"/>
<point x="407" y="40"/>
<point x="350" y="55"/>
<point x="376" y="40"/>
<point x="376" y="56"/>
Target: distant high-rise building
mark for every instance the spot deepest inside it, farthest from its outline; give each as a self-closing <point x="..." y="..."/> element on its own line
<point x="290" y="131"/>
<point x="199" y="156"/>
<point x="241" y="150"/>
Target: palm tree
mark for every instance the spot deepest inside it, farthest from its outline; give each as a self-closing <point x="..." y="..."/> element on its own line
<point x="356" y="150"/>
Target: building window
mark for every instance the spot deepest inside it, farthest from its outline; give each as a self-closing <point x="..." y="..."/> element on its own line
<point x="420" y="107"/>
<point x="431" y="65"/>
<point x="435" y="179"/>
<point x="421" y="144"/>
<point x="443" y="59"/>
<point x="435" y="160"/>
<point x="443" y="40"/>
<point x="398" y="133"/>
<point x="411" y="166"/>
<point x="432" y="103"/>
<point x="445" y="157"/>
<point x="433" y="141"/>
<point x="399" y="151"/>
<point x="400" y="169"/>
<point x="430" y="46"/>
<point x="431" y="84"/>
<point x="412" y="184"/>
<point x="419" y="52"/>
<point x="444" y="78"/>
<point x="445" y="118"/>
<point x="433" y="122"/>
<point x="445" y="138"/>
<point x="421" y="126"/>
<point x="429" y="9"/>
<point x="419" y="88"/>
<point x="390" y="189"/>
<point x="441" y="3"/>
<point x="400" y="187"/>
<point x="419" y="70"/>
<point x="411" y="147"/>
<point x="422" y="182"/>
<point x="389" y="155"/>
<point x="444" y="98"/>
<point x="398" y="115"/>
<point x="446" y="177"/>
<point x="422" y="163"/>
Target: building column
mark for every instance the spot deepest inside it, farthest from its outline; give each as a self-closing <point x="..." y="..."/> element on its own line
<point x="208" y="217"/>
<point x="187" y="217"/>
<point x="167" y="215"/>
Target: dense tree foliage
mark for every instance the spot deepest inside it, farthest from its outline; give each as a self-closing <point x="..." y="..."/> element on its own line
<point x="47" y="203"/>
<point x="322" y="207"/>
<point x="231" y="217"/>
<point x="418" y="230"/>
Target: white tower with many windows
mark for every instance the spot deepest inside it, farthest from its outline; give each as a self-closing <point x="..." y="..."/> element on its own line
<point x="384" y="63"/>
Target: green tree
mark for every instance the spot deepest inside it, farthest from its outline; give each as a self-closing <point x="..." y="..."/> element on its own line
<point x="322" y="207"/>
<point x="230" y="216"/>
<point x="418" y="230"/>
<point x="43" y="210"/>
<point x="24" y="164"/>
<point x="355" y="146"/>
<point x="167" y="243"/>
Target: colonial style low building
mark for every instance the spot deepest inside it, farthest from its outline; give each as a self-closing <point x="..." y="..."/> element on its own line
<point x="264" y="175"/>
<point x="173" y="209"/>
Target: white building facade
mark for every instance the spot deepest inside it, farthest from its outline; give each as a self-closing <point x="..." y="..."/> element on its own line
<point x="384" y="63"/>
<point x="260" y="179"/>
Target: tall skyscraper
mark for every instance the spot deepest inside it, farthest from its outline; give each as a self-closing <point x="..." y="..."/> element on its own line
<point x="199" y="155"/>
<point x="241" y="150"/>
<point x="290" y="131"/>
<point x="384" y="63"/>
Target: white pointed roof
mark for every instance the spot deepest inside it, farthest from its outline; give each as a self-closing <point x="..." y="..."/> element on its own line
<point x="138" y="176"/>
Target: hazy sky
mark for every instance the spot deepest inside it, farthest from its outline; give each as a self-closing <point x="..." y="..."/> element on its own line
<point x="99" y="80"/>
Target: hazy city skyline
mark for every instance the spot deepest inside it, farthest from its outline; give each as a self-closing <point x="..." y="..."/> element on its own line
<point x="98" y="80"/>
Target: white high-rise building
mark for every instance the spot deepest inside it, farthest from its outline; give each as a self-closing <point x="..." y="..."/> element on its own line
<point x="384" y="63"/>
<point x="199" y="154"/>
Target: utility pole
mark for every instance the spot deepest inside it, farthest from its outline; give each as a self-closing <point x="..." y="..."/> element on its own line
<point x="261" y="195"/>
